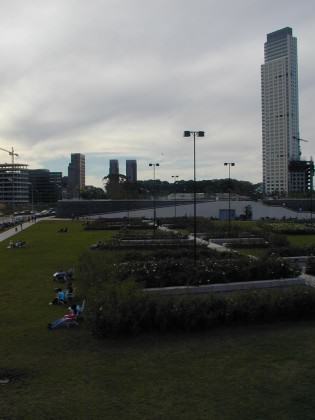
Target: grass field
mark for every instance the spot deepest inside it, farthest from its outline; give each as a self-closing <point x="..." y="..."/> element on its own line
<point x="262" y="372"/>
<point x="301" y="240"/>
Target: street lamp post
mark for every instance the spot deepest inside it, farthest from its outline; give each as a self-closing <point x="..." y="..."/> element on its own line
<point x="175" y="179"/>
<point x="32" y="195"/>
<point x="229" y="164"/>
<point x="198" y="134"/>
<point x="154" y="165"/>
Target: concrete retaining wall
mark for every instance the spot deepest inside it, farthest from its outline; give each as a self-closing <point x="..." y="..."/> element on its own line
<point x="231" y="287"/>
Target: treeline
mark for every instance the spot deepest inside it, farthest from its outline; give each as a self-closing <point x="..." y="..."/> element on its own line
<point x="120" y="188"/>
<point x="207" y="186"/>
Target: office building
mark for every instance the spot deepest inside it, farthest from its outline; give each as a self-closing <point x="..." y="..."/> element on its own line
<point x="76" y="175"/>
<point x="113" y="167"/>
<point x="45" y="186"/>
<point x="14" y="183"/>
<point x="280" y="113"/>
<point x="131" y="170"/>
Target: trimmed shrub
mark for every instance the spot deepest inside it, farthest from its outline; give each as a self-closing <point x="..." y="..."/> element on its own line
<point x="310" y="266"/>
<point x="126" y="310"/>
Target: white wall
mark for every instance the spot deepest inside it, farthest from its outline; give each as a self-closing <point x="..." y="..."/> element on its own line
<point x="212" y="209"/>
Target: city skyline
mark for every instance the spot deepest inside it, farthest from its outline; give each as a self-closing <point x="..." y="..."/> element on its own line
<point x="125" y="82"/>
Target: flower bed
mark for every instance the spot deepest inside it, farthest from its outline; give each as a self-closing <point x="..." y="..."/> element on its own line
<point x="117" y="224"/>
<point x="290" y="228"/>
<point x="171" y="271"/>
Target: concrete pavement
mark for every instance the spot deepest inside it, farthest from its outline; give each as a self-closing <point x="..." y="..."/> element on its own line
<point x="12" y="231"/>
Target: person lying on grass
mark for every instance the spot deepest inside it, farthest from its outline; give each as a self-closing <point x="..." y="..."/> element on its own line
<point x="68" y="319"/>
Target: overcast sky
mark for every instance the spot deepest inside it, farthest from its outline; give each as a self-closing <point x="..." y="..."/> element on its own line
<point x="124" y="78"/>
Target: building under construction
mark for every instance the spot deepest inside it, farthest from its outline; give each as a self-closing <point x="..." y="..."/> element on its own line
<point x="14" y="183"/>
<point x="301" y="174"/>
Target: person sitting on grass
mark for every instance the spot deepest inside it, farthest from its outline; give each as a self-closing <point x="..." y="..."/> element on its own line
<point x="68" y="292"/>
<point x="67" y="320"/>
<point x="60" y="298"/>
<point x="19" y="244"/>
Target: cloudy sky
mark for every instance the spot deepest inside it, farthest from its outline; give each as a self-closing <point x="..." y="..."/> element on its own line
<point x="123" y="79"/>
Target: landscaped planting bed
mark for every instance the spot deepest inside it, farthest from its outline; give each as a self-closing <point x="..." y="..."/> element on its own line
<point x="116" y="224"/>
<point x="126" y="239"/>
<point x="290" y="228"/>
<point x="176" y="267"/>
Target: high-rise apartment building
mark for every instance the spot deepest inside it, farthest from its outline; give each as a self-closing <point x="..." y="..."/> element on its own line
<point x="131" y="170"/>
<point x="76" y="175"/>
<point x="280" y="111"/>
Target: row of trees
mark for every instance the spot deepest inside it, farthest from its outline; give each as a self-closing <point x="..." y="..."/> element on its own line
<point x="118" y="187"/>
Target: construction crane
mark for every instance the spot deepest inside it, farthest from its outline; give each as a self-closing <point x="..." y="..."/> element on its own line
<point x="298" y="139"/>
<point x="11" y="153"/>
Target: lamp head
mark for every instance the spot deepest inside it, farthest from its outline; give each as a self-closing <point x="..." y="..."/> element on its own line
<point x="201" y="133"/>
<point x="187" y="133"/>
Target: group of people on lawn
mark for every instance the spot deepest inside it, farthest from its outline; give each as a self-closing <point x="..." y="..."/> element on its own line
<point x="63" y="297"/>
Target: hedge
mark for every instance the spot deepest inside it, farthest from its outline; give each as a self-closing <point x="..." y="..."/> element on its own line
<point x="126" y="310"/>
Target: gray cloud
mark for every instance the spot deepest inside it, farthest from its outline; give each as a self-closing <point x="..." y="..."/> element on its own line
<point x="121" y="78"/>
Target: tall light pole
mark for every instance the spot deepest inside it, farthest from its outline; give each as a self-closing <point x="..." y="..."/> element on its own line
<point x="175" y="179"/>
<point x="32" y="195"/>
<point x="188" y="133"/>
<point x="229" y="164"/>
<point x="154" y="165"/>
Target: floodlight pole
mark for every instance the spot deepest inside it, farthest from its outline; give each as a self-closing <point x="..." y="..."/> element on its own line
<point x="229" y="164"/>
<point x="175" y="178"/>
<point x="154" y="165"/>
<point x="199" y="134"/>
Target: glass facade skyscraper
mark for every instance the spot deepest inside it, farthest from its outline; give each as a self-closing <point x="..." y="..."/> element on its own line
<point x="131" y="170"/>
<point x="280" y="111"/>
<point x="76" y="175"/>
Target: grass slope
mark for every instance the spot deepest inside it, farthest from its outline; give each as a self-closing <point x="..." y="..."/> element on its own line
<point x="264" y="372"/>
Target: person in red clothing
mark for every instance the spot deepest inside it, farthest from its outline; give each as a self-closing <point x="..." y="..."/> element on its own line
<point x="71" y="316"/>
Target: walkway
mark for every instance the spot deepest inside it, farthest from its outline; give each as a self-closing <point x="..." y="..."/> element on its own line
<point x="11" y="232"/>
<point x="209" y="244"/>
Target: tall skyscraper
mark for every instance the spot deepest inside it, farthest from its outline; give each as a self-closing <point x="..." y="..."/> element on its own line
<point x="280" y="112"/>
<point x="131" y="170"/>
<point x="113" y="167"/>
<point x="76" y="175"/>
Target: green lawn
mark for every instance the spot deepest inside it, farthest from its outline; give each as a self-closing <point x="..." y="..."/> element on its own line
<point x="255" y="252"/>
<point x="301" y="240"/>
<point x="261" y="372"/>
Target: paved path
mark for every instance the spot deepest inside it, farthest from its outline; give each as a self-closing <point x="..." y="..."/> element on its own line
<point x="209" y="244"/>
<point x="11" y="232"/>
